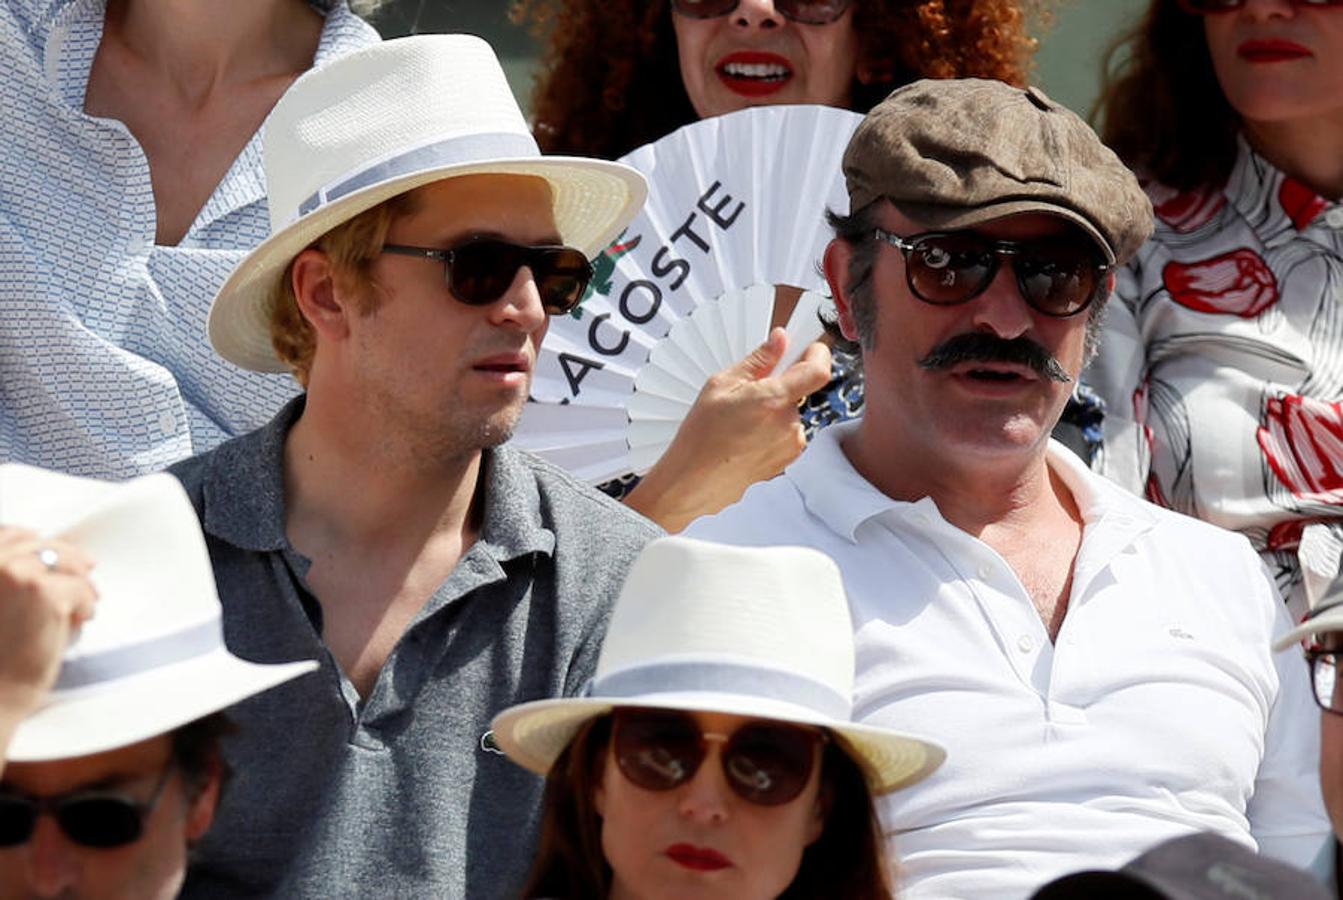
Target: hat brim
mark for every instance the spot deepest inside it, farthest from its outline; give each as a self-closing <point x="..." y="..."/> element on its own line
<point x="939" y="218"/>
<point x="1329" y="620"/>
<point x="534" y="734"/>
<point x="592" y="200"/>
<point x="129" y="710"/>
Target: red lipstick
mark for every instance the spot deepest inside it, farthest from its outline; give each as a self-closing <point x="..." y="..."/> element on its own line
<point x="700" y="859"/>
<point x="1271" y="50"/>
<point x="754" y="73"/>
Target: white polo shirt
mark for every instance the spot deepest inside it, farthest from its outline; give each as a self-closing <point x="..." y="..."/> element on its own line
<point x="1160" y="711"/>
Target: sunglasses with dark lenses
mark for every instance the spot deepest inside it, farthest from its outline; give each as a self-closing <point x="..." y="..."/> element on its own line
<point x="1058" y="275"/>
<point x="96" y="818"/>
<point x="766" y="763"/>
<point x="1212" y="7"/>
<point x="808" y="12"/>
<point x="480" y="271"/>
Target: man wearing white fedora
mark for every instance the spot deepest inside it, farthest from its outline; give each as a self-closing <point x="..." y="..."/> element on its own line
<point x="1096" y="667"/>
<point x="115" y="769"/>
<point x="420" y="241"/>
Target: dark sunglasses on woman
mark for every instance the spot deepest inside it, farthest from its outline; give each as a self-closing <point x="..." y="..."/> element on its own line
<point x="765" y="763"/>
<point x="480" y="271"/>
<point x="1058" y="275"/>
<point x="91" y="818"/>
<point x="808" y="12"/>
<point x="1211" y="7"/>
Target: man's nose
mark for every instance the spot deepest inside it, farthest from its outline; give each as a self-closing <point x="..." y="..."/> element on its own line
<point x="53" y="861"/>
<point x="1001" y="309"/>
<point x="520" y="307"/>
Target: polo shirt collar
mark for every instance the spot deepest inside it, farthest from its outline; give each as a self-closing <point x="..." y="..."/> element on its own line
<point x="833" y="491"/>
<point x="244" y="495"/>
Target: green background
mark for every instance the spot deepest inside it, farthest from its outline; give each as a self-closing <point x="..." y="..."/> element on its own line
<point x="1067" y="67"/>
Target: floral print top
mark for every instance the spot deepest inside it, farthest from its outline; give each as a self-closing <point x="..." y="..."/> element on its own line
<point x="1221" y="368"/>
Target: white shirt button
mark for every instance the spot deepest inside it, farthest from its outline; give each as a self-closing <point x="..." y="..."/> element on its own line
<point x="167" y="422"/>
<point x="1334" y="218"/>
<point x="984" y="572"/>
<point x="1025" y="644"/>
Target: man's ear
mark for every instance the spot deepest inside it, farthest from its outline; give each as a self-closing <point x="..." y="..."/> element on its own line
<point x="838" y="253"/>
<point x="203" y="800"/>
<point x="313" y="280"/>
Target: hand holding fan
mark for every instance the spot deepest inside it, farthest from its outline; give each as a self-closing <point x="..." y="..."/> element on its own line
<point x="727" y="246"/>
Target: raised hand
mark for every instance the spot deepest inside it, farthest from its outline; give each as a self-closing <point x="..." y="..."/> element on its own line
<point x="45" y="593"/>
<point x="743" y="428"/>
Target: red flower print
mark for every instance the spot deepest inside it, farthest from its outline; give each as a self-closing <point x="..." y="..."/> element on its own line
<point x="1302" y="439"/>
<point x="1286" y="535"/>
<point x="1300" y="202"/>
<point x="1187" y="210"/>
<point x="1238" y="283"/>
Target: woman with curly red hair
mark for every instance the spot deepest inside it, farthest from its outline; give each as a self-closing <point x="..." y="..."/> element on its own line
<point x="1222" y="362"/>
<point x="618" y="74"/>
<point x="612" y="79"/>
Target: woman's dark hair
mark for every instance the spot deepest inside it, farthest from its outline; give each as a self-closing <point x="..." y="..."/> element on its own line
<point x="1161" y="108"/>
<point x="848" y="860"/>
<point x="611" y="80"/>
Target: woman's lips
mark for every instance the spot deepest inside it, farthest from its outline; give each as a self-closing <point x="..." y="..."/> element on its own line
<point x="754" y="73"/>
<point x="1271" y="50"/>
<point x="700" y="859"/>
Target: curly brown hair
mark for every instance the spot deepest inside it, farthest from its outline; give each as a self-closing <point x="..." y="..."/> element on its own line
<point x="1162" y="110"/>
<point x="611" y="80"/>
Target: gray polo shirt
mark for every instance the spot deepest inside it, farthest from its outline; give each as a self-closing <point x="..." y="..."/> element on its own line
<point x="401" y="795"/>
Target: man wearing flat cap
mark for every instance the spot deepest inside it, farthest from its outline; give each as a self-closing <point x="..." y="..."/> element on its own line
<point x="1097" y="668"/>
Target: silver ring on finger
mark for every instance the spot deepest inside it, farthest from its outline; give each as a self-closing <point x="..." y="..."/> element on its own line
<point x="48" y="557"/>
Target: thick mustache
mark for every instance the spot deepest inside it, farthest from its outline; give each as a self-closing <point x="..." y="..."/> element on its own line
<point x="978" y="346"/>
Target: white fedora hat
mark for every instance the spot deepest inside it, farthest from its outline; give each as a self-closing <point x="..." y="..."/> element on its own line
<point x="757" y="632"/>
<point x="152" y="658"/>
<point x="383" y="121"/>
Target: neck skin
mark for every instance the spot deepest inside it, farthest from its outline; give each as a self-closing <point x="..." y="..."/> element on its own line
<point x="976" y="493"/>
<point x="202" y="49"/>
<point x="348" y="485"/>
<point x="1311" y="151"/>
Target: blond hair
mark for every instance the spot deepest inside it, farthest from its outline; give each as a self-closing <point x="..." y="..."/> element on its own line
<point x="351" y="248"/>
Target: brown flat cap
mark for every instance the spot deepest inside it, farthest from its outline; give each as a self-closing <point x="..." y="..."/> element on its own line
<point x="954" y="153"/>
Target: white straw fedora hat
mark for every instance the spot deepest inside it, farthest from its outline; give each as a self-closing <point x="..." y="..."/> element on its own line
<point x="383" y="121"/>
<point x="152" y="658"/>
<point x="758" y="632"/>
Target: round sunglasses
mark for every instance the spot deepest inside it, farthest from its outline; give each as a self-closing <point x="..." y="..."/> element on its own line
<point x="480" y="271"/>
<point x="807" y="12"/>
<point x="94" y="818"/>
<point x="1212" y="7"/>
<point x="1058" y="276"/>
<point x="765" y="763"/>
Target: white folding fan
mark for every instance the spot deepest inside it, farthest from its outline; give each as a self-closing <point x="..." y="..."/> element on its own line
<point x="728" y="244"/>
